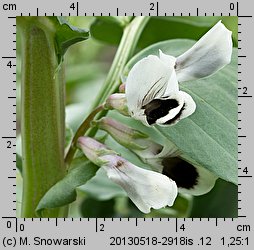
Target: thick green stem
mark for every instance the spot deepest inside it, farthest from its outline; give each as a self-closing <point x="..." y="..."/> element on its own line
<point x="42" y="109"/>
<point x="125" y="50"/>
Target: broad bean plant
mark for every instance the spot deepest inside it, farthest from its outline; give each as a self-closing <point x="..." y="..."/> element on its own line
<point x="155" y="136"/>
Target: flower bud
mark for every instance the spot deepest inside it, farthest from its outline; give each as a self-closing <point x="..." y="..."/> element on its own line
<point x="94" y="150"/>
<point x="122" y="88"/>
<point x="117" y="101"/>
<point x="123" y="134"/>
<point x="136" y="141"/>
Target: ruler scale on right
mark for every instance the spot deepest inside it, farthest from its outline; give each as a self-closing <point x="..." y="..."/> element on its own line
<point x="126" y="233"/>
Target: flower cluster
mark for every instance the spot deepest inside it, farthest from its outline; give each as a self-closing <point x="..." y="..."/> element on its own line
<point x="152" y="96"/>
<point x="166" y="159"/>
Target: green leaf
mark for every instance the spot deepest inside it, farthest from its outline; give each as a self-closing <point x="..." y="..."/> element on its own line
<point x="121" y="21"/>
<point x="64" y="191"/>
<point x="224" y="202"/>
<point x="107" y="32"/>
<point x="92" y="208"/>
<point x="67" y="35"/>
<point x="163" y="28"/>
<point x="209" y="136"/>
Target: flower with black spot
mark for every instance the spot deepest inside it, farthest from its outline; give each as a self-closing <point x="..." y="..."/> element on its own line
<point x="152" y="85"/>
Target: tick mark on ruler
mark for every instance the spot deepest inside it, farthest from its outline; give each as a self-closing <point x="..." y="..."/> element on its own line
<point x="242" y="216"/>
<point x="8" y="57"/>
<point x="244" y="16"/>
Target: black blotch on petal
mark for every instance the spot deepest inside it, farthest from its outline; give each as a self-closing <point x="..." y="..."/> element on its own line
<point x="158" y="108"/>
<point x="183" y="173"/>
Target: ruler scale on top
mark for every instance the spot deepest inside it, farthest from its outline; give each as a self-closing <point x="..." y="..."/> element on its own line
<point x="160" y="233"/>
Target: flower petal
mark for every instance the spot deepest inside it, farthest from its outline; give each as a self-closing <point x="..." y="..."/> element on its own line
<point x="189" y="105"/>
<point x="184" y="108"/>
<point x="208" y="55"/>
<point x="147" y="189"/>
<point x="146" y="81"/>
<point x="190" y="179"/>
<point x="172" y="85"/>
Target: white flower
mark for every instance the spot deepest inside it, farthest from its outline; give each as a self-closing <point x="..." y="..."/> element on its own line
<point x="147" y="189"/>
<point x="152" y="89"/>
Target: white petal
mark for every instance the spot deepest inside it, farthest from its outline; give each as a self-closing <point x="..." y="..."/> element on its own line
<point x="146" y="81"/>
<point x="147" y="189"/>
<point x="172" y="85"/>
<point x="167" y="59"/>
<point x="208" y="55"/>
<point x="189" y="105"/>
<point x="205" y="182"/>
